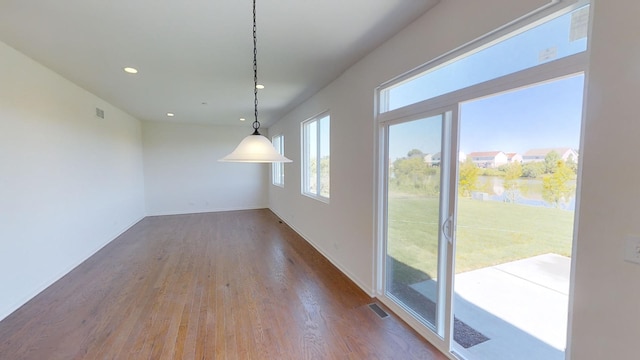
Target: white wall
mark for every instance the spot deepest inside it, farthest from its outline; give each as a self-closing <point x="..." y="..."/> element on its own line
<point x="606" y="301"/>
<point x="183" y="175"/>
<point x="69" y="181"/>
<point x="606" y="319"/>
<point x="343" y="230"/>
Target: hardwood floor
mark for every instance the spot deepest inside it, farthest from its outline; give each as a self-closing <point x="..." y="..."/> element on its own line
<point x="231" y="285"/>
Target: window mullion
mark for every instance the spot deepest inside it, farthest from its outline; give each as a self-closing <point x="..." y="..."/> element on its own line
<point x="318" y="157"/>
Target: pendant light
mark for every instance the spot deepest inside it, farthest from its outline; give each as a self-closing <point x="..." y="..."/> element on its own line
<point x="255" y="148"/>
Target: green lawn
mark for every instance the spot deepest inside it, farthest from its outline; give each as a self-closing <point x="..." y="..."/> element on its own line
<point x="488" y="233"/>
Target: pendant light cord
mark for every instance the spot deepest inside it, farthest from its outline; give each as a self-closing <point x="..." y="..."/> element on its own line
<point x="256" y="123"/>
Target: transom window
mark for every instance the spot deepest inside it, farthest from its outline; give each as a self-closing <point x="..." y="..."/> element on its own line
<point x="558" y="38"/>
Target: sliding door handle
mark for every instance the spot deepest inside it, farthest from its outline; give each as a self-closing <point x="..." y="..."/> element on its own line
<point x="447" y="229"/>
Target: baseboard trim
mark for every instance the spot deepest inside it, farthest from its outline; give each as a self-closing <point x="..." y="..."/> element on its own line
<point x="204" y="211"/>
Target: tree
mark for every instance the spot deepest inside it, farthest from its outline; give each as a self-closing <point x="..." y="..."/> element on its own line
<point x="551" y="162"/>
<point x="571" y="164"/>
<point x="413" y="174"/>
<point x="533" y="169"/>
<point x="324" y="176"/>
<point x="513" y="172"/>
<point x="469" y="173"/>
<point x="555" y="187"/>
<point x="415" y="153"/>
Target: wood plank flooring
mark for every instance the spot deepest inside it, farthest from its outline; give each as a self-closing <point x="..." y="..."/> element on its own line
<point x="229" y="285"/>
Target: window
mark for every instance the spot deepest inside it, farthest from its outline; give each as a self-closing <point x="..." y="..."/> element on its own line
<point x="277" y="169"/>
<point x="551" y="40"/>
<point x="315" y="157"/>
<point x="455" y="207"/>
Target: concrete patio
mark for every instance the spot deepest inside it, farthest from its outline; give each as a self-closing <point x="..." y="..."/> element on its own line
<point x="521" y="306"/>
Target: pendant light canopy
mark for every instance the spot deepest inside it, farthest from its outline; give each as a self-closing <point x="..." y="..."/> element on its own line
<point x="255" y="148"/>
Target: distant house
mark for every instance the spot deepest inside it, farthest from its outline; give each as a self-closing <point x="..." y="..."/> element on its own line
<point x="428" y="158"/>
<point x="489" y="159"/>
<point x="435" y="159"/>
<point x="534" y="155"/>
<point x="514" y="157"/>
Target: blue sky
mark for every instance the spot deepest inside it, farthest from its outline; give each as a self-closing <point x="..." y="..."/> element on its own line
<point x="540" y="116"/>
<point x="543" y="116"/>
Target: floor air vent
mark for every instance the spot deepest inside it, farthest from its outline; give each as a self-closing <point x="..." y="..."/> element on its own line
<point x="100" y="113"/>
<point x="378" y="310"/>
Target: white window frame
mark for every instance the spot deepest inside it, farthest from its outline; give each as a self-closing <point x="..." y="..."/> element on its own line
<point x="277" y="168"/>
<point x="564" y="67"/>
<point x="305" y="174"/>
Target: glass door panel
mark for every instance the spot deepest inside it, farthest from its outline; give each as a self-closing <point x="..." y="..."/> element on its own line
<point x="514" y="221"/>
<point x="414" y="218"/>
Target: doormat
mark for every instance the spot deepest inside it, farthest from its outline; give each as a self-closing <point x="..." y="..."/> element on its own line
<point x="465" y="335"/>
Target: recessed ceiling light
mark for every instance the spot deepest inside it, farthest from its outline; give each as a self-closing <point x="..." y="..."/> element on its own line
<point x="130" y="70"/>
<point x="260" y="87"/>
<point x="242" y="119"/>
<point x="170" y="114"/>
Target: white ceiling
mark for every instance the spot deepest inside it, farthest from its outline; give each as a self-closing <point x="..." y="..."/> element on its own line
<point x="201" y="51"/>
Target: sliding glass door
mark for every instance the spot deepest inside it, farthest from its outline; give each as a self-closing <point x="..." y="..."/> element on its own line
<point x="478" y="178"/>
<point x="478" y="242"/>
<point x="515" y="211"/>
<point x="415" y="215"/>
